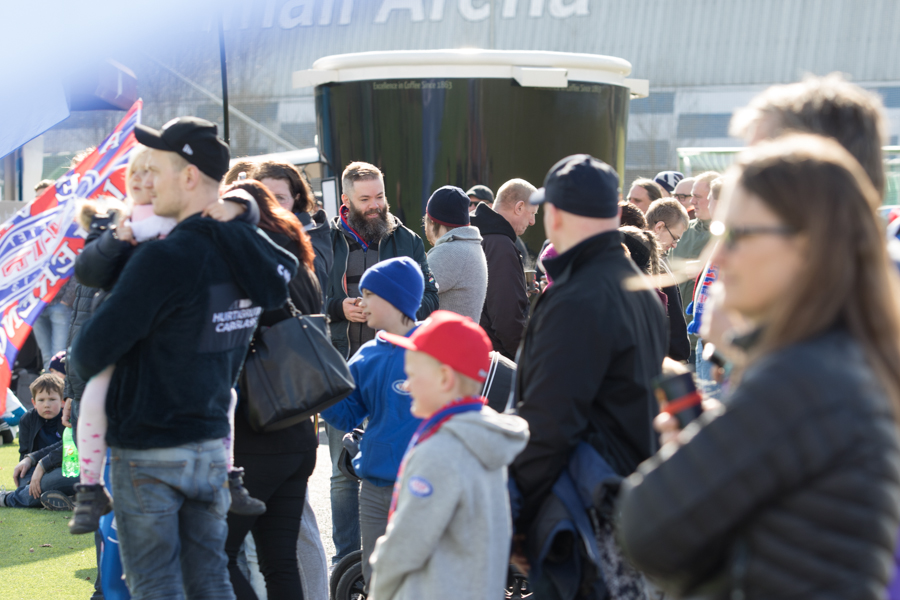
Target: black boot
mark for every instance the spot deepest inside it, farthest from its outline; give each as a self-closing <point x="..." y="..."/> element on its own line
<point x="241" y="501"/>
<point x="91" y="503"/>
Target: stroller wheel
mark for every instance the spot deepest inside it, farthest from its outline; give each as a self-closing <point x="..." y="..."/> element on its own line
<point x="354" y="558"/>
<point x="352" y="586"/>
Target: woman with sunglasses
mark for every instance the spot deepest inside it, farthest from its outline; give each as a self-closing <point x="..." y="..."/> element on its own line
<point x="791" y="488"/>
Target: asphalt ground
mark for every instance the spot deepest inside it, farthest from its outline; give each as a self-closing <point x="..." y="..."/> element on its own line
<point x="320" y="493"/>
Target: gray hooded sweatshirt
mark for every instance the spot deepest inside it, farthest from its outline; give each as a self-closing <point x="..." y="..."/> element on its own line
<point x="452" y="528"/>
<point x="460" y="270"/>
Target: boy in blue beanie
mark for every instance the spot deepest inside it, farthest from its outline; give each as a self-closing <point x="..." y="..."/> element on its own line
<point x="391" y="294"/>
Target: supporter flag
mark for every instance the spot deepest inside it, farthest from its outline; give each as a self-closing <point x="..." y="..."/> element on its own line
<point x="38" y="245"/>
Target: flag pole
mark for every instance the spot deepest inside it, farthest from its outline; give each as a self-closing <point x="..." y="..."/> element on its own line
<point x="224" y="79"/>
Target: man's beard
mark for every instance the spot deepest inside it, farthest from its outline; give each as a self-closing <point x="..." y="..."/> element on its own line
<point x="371" y="230"/>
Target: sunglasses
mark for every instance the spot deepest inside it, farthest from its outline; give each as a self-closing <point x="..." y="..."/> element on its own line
<point x="731" y="237"/>
<point x="682" y="197"/>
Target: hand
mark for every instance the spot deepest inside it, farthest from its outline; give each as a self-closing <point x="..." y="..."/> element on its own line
<point x="352" y="311"/>
<point x="667" y="425"/>
<point x="125" y="234"/>
<point x="21" y="469"/>
<point x="67" y="413"/>
<point x="34" y="489"/>
<point x="223" y="211"/>
<point x="517" y="556"/>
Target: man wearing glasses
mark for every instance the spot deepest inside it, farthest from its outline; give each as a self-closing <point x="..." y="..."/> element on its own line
<point x="682" y="193"/>
<point x="695" y="238"/>
<point x="479" y="193"/>
<point x="669" y="221"/>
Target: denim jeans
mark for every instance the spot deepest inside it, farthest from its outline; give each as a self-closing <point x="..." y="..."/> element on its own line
<point x="53" y="480"/>
<point x="344" y="502"/>
<point x="51" y="330"/>
<point x="170" y="514"/>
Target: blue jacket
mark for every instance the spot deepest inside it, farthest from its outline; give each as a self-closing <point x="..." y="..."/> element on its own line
<point x="378" y="371"/>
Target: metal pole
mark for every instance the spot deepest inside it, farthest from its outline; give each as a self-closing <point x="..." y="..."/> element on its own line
<point x="224" y="78"/>
<point x="254" y="124"/>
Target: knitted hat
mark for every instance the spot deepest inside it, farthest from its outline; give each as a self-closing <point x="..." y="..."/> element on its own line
<point x="449" y="206"/>
<point x="58" y="362"/>
<point x="668" y="179"/>
<point x="397" y="280"/>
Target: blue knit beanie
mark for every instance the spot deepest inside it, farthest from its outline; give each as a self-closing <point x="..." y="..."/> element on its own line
<point x="449" y="206"/>
<point x="397" y="280"/>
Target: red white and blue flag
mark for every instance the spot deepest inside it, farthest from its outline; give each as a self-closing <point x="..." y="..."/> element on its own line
<point x="39" y="244"/>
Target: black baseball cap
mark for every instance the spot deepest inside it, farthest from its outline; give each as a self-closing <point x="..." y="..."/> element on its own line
<point x="195" y="140"/>
<point x="482" y="192"/>
<point x="582" y="185"/>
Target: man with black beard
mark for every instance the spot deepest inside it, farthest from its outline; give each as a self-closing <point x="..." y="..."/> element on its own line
<point x="364" y="234"/>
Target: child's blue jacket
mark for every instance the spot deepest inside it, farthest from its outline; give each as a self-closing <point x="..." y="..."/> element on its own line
<point x="378" y="371"/>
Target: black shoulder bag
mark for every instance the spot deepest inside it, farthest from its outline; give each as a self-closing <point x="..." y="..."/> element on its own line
<point x="292" y="372"/>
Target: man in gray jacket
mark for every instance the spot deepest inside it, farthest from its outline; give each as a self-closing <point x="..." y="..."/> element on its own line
<point x="457" y="259"/>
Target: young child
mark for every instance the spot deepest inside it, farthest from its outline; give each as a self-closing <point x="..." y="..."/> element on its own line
<point x="14" y="413"/>
<point x="392" y="292"/>
<point x="38" y="477"/>
<point x="143" y="225"/>
<point x="450" y="526"/>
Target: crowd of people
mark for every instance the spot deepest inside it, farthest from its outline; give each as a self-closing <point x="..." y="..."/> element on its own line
<point x="764" y="296"/>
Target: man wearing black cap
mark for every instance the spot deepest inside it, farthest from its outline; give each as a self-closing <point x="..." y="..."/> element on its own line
<point x="591" y="348"/>
<point x="479" y="193"/>
<point x="177" y="326"/>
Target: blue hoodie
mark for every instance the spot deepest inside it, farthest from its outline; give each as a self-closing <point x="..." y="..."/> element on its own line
<point x="378" y="371"/>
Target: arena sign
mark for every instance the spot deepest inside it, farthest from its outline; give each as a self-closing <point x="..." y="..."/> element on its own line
<point x="323" y="13"/>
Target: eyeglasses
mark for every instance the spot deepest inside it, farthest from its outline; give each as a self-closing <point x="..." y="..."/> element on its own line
<point x="731" y="237"/>
<point x="682" y="197"/>
<point x="675" y="238"/>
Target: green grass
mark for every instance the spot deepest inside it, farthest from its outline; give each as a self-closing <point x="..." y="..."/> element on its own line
<point x="39" y="558"/>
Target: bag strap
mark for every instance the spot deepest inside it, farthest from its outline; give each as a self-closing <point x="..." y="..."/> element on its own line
<point x="294" y="311"/>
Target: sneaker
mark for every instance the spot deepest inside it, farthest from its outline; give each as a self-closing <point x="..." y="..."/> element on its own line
<point x="3" y="495"/>
<point x="91" y="503"/>
<point x="54" y="500"/>
<point x="6" y="434"/>
<point x="241" y="501"/>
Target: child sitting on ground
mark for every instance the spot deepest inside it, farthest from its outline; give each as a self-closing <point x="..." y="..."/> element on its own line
<point x="10" y="418"/>
<point x="450" y="526"/>
<point x="143" y="225"/>
<point x="392" y="292"/>
<point x="38" y="476"/>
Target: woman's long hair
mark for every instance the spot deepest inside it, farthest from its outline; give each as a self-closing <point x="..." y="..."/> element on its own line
<point x="816" y="187"/>
<point x="272" y="217"/>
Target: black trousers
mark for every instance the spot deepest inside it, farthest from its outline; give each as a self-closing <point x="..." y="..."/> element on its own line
<point x="280" y="481"/>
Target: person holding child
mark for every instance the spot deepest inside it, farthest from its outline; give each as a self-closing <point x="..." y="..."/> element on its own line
<point x="450" y="522"/>
<point x="177" y="327"/>
<point x="391" y="294"/>
<point x="38" y="477"/>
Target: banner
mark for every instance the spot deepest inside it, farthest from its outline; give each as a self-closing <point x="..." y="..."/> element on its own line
<point x="39" y="244"/>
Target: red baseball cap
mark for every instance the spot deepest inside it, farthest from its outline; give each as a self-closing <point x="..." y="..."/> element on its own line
<point x="452" y="339"/>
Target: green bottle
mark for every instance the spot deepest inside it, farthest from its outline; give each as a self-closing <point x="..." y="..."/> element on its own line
<point x="70" y="466"/>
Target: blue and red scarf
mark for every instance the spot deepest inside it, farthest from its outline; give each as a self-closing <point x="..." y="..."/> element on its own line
<point x="428" y="428"/>
<point x="345" y="211"/>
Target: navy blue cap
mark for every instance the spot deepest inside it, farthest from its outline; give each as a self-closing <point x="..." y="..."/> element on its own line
<point x="582" y="185"/>
<point x="668" y="179"/>
<point x="449" y="206"/>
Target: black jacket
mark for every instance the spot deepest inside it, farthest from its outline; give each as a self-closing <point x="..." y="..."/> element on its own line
<point x="319" y="231"/>
<point x="177" y="326"/>
<point x="590" y="352"/>
<point x="307" y="298"/>
<point x="792" y="490"/>
<point x="29" y="427"/>
<point x="506" y="303"/>
<point x="402" y="241"/>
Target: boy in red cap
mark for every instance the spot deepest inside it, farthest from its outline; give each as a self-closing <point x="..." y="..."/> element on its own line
<point x="450" y="526"/>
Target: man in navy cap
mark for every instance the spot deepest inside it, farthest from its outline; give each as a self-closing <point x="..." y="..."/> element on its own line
<point x="592" y="347"/>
